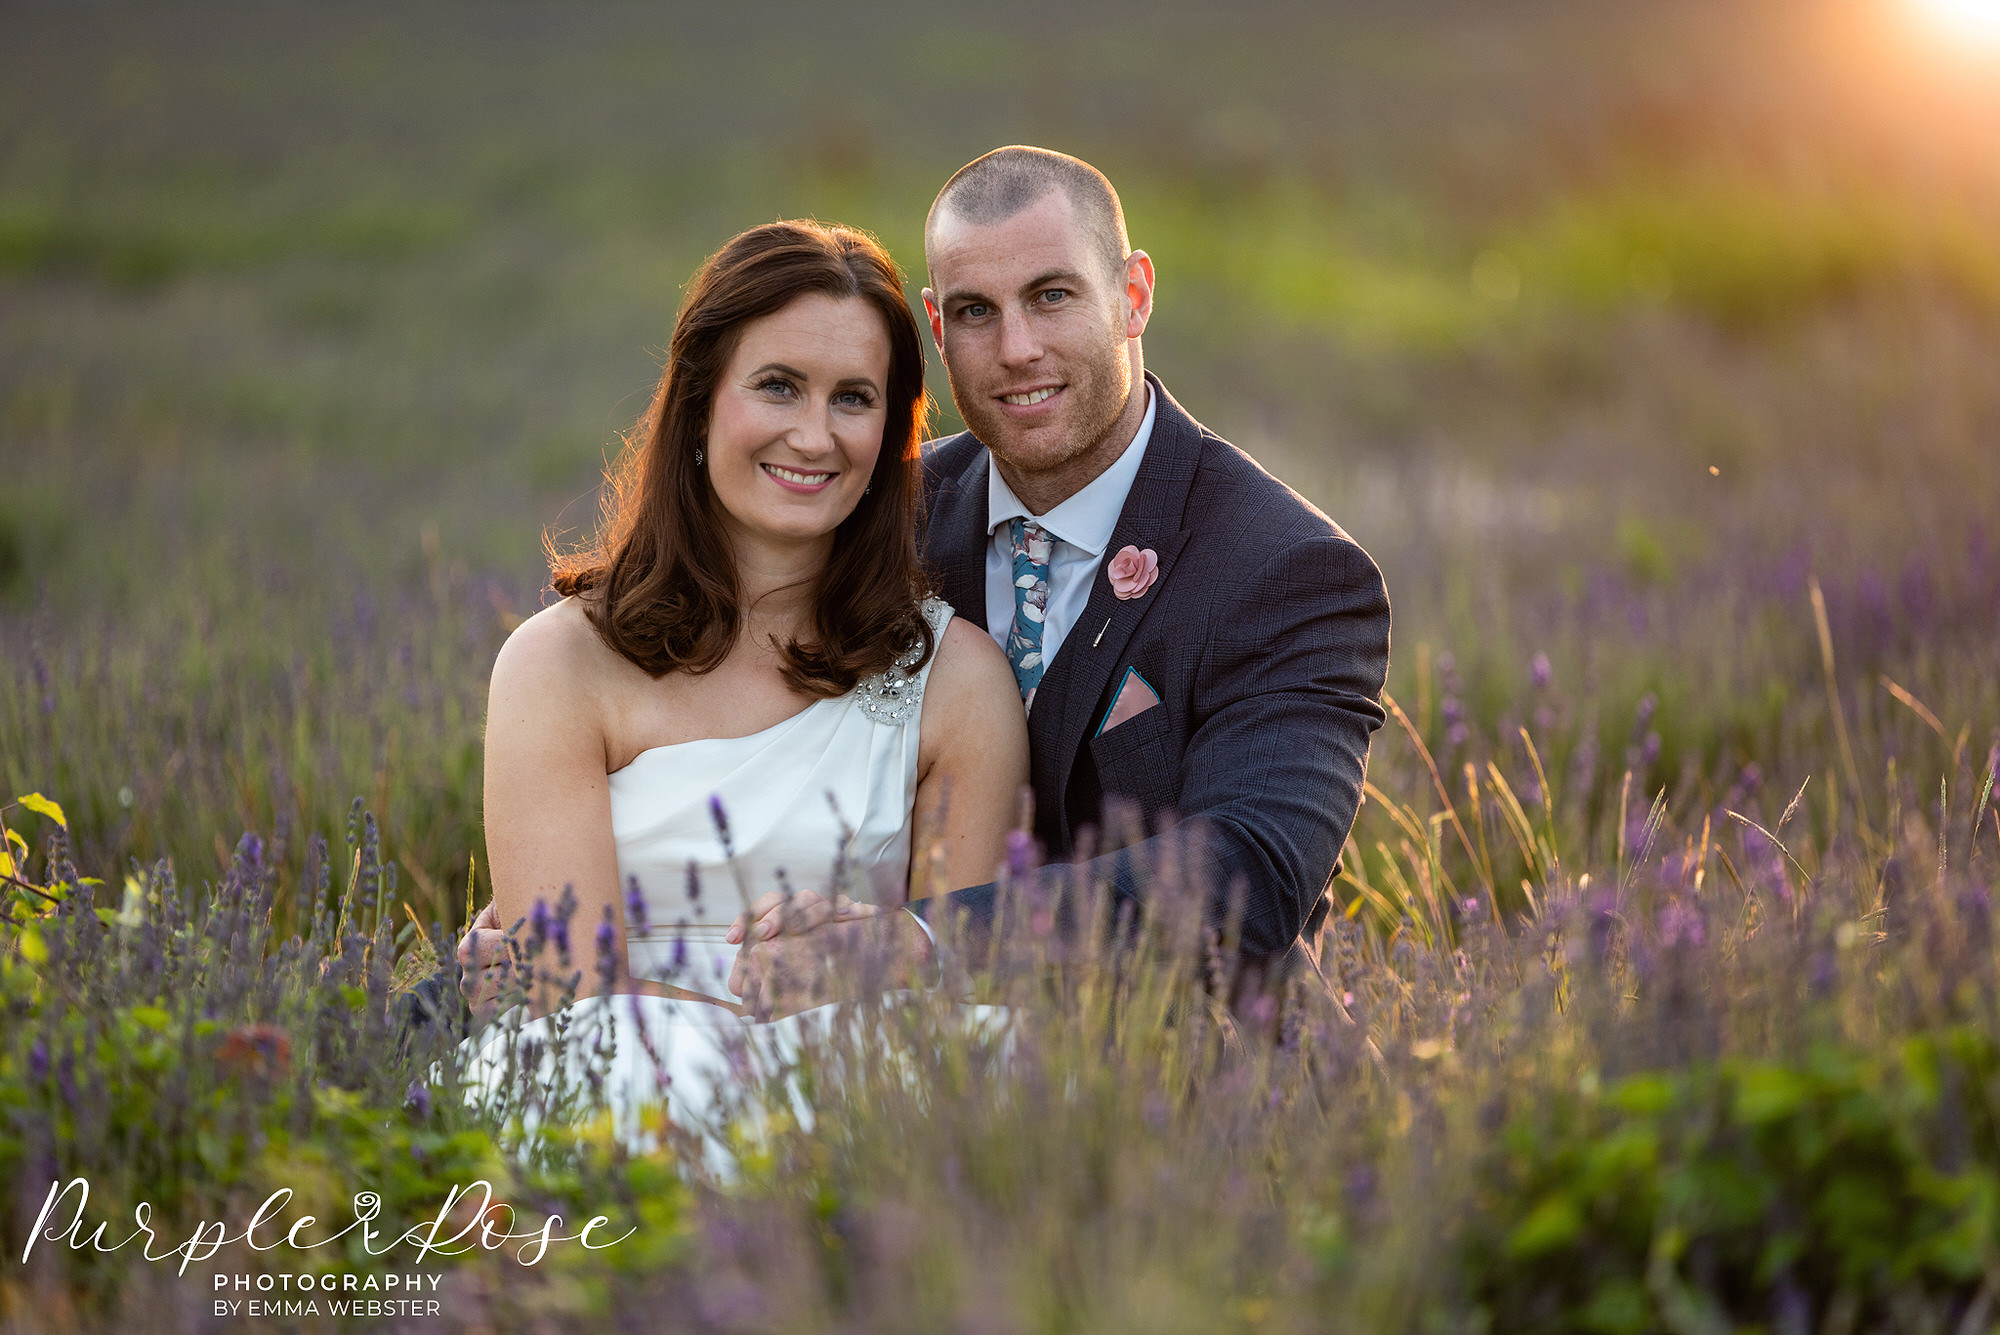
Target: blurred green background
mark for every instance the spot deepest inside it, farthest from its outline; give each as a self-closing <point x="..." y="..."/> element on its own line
<point x="315" y="317"/>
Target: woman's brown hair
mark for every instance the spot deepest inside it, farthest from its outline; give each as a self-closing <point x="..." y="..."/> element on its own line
<point x="660" y="576"/>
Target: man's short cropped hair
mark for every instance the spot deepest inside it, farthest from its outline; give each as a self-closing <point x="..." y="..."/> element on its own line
<point x="995" y="187"/>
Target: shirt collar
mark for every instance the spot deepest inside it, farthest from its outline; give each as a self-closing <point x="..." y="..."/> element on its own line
<point x="1086" y="519"/>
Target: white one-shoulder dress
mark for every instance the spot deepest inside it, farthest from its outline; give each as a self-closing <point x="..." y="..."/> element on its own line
<point x="822" y="801"/>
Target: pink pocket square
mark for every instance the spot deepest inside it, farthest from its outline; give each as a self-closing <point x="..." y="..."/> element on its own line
<point x="1135" y="696"/>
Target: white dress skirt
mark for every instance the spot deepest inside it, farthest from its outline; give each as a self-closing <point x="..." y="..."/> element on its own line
<point x="822" y="801"/>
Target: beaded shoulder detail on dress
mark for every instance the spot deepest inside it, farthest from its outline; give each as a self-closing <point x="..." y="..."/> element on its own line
<point x="895" y="696"/>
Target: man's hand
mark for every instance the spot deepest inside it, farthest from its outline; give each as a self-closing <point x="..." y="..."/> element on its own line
<point x="811" y="955"/>
<point x="482" y="957"/>
<point x="777" y="913"/>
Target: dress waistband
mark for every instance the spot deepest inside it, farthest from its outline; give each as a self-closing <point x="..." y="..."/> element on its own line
<point x="693" y="956"/>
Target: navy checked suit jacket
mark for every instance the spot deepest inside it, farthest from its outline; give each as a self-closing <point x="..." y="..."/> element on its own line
<point x="1266" y="636"/>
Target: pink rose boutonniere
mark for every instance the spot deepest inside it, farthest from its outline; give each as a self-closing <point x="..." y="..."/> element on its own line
<point x="1132" y="571"/>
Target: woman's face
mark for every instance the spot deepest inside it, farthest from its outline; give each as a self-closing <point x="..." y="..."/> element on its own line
<point x="797" y="420"/>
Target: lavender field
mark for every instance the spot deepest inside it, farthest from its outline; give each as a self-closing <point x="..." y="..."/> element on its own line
<point x="1653" y="352"/>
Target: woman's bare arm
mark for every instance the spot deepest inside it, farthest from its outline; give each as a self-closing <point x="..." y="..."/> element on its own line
<point x="972" y="762"/>
<point x="548" y="801"/>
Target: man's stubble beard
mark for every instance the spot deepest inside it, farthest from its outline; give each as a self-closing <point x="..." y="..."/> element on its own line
<point x="1101" y="394"/>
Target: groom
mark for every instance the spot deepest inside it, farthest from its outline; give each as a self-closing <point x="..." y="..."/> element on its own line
<point x="1189" y="634"/>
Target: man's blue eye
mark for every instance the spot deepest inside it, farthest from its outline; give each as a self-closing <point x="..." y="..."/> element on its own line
<point x="1054" y="295"/>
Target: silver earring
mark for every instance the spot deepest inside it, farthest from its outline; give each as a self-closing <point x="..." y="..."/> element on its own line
<point x="697" y="456"/>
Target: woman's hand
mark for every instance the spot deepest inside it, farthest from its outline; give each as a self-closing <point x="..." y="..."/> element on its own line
<point x="482" y="957"/>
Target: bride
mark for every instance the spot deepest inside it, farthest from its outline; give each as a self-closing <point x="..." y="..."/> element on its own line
<point x="744" y="691"/>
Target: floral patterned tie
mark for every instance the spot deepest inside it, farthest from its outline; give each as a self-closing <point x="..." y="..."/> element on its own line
<point x="1032" y="545"/>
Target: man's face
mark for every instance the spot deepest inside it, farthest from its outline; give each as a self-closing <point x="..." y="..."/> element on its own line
<point x="1034" y="321"/>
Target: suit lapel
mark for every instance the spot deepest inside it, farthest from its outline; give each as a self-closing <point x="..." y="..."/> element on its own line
<point x="1092" y="652"/>
<point x="1154" y="511"/>
<point x="957" y="541"/>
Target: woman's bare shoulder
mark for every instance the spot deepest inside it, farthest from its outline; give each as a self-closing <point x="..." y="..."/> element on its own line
<point x="975" y="730"/>
<point x="970" y="672"/>
<point x="556" y="649"/>
<point x="965" y="647"/>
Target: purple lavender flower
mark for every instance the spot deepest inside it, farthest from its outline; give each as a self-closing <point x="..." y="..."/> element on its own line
<point x="721" y="819"/>
<point x="680" y="958"/>
<point x="1583" y="766"/>
<point x="417" y="1098"/>
<point x="1873" y="596"/>
<point x="1020" y="852"/>
<point x="1681" y="923"/>
<point x="635" y="907"/>
<point x="1539" y="671"/>
<point x="1791" y="574"/>
<point x="559" y="933"/>
<point x="1604" y="924"/>
<point x="1650" y="752"/>
<point x="607" y="945"/>
<point x="1975" y="916"/>
<point x="694" y="884"/>
<point x="538" y="921"/>
<point x="1643" y="713"/>
<point x="1918" y="593"/>
<point x="38" y="1060"/>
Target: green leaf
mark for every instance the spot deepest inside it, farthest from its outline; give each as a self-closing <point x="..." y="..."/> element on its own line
<point x="37" y="803"/>
<point x="1552" y="1224"/>
<point x="1619" y="1307"/>
<point x="1643" y="1094"/>
<point x="33" y="949"/>
<point x="1768" y="1093"/>
<point x="151" y="1016"/>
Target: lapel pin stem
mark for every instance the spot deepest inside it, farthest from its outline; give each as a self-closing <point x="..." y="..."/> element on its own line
<point x="1100" y="633"/>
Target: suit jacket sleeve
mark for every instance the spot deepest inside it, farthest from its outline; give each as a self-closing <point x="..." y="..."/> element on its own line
<point x="1287" y="696"/>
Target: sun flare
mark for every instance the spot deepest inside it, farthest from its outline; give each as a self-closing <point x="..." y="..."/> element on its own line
<point x="1972" y="19"/>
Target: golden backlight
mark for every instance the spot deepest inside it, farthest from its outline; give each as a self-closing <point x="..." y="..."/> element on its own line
<point x="1977" y="20"/>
